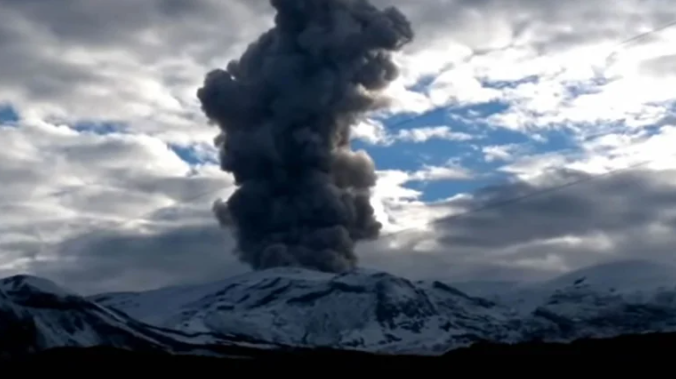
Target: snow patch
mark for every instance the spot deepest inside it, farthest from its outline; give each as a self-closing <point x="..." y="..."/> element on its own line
<point x="30" y="283"/>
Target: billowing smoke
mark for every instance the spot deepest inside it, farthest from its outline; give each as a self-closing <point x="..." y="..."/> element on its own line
<point x="285" y="109"/>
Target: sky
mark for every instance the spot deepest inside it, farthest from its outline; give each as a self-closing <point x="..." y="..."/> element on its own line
<point x="108" y="168"/>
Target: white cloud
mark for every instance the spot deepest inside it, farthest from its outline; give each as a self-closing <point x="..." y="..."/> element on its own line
<point x="376" y="133"/>
<point x="499" y="152"/>
<point x="138" y="64"/>
<point x="400" y="208"/>
<point x="433" y="132"/>
<point x="460" y="85"/>
<point x="555" y="43"/>
<point x="59" y="183"/>
<point x="611" y="151"/>
<point x="371" y="131"/>
<point x="434" y="173"/>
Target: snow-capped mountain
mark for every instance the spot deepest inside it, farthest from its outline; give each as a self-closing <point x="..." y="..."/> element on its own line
<point x="626" y="276"/>
<point x="361" y="310"/>
<point x="376" y="311"/>
<point x="36" y="314"/>
<point x="581" y="311"/>
<point x="635" y="279"/>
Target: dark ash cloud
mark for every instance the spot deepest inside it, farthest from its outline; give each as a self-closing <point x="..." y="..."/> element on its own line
<point x="285" y="109"/>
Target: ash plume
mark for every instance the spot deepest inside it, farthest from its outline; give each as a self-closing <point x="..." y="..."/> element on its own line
<point x="285" y="109"/>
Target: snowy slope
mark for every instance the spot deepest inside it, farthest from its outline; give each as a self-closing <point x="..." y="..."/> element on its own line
<point x="360" y="310"/>
<point x="581" y="311"/>
<point x="486" y="288"/>
<point x="629" y="278"/>
<point x="379" y="312"/>
<point x="35" y="314"/>
<point x="621" y="276"/>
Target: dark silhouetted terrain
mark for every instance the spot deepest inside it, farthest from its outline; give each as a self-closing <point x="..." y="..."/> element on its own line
<point x="528" y="353"/>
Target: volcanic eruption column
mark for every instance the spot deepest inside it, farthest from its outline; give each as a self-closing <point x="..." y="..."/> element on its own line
<point x="285" y="109"/>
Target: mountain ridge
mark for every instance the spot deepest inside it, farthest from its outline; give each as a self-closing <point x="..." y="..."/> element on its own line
<point x="287" y="309"/>
<point x="634" y="347"/>
<point x="38" y="315"/>
<point x="450" y="317"/>
<point x="371" y="310"/>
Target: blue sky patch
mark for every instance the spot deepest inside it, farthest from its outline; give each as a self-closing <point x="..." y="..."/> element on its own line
<point x="8" y="115"/>
<point x="100" y="128"/>
<point x="481" y="110"/>
<point x="423" y="84"/>
<point x="415" y="156"/>
<point x="187" y="154"/>
<point x="191" y="154"/>
<point x="411" y="156"/>
<point x="468" y="154"/>
<point x="472" y="158"/>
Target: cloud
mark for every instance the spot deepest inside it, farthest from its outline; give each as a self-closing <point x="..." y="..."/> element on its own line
<point x="659" y="67"/>
<point x="376" y="133"/>
<point x="131" y="261"/>
<point x="125" y="61"/>
<point x="627" y="215"/>
<point x="615" y="217"/>
<point x="565" y="58"/>
<point x="610" y="151"/>
<point x="433" y="173"/>
<point x="498" y="152"/>
<point x="612" y="199"/>
<point x="624" y="207"/>
<point x="61" y="185"/>
<point x="427" y="133"/>
<point x="144" y="67"/>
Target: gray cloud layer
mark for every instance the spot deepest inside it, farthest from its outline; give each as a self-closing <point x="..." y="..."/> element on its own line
<point x="43" y="42"/>
<point x="115" y="260"/>
<point x="627" y="216"/>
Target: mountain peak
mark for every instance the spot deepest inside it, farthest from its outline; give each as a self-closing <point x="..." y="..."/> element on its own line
<point x="357" y="310"/>
<point x="362" y="309"/>
<point x="32" y="284"/>
<point x="625" y="275"/>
